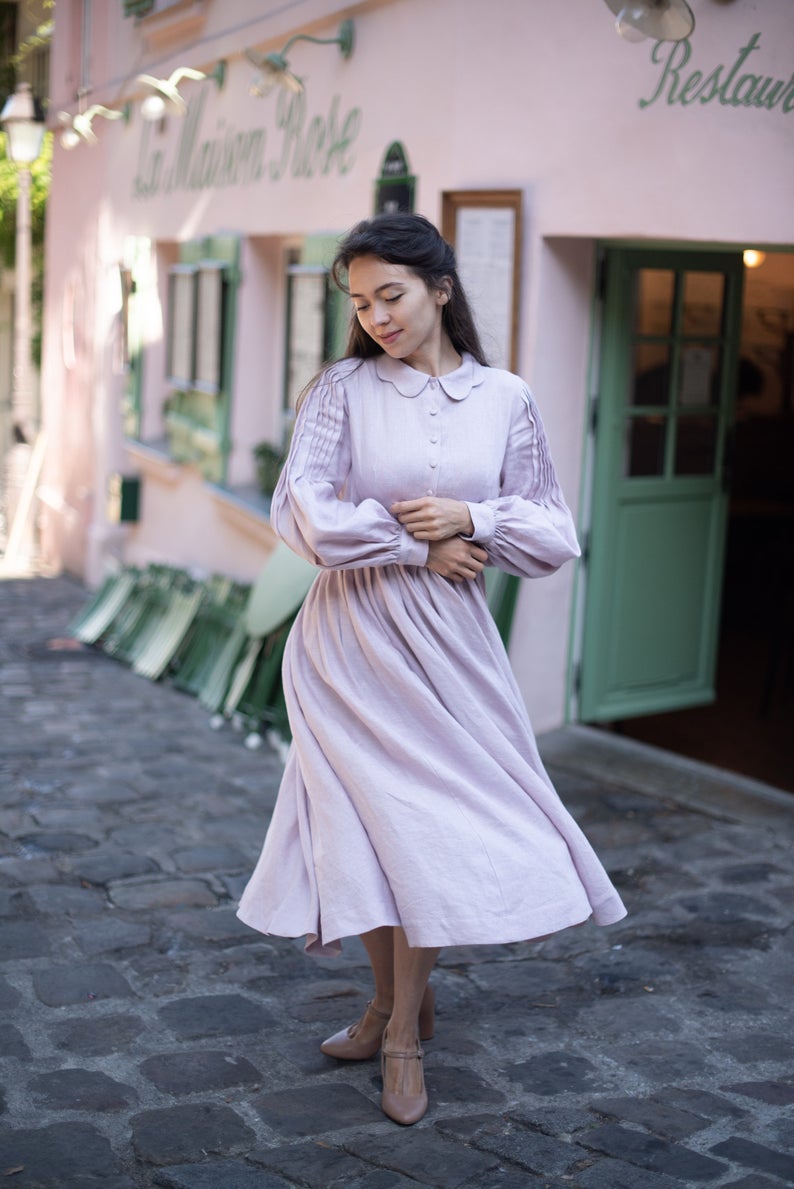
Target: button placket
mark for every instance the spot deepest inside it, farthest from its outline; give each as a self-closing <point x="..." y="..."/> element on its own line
<point x="434" y="438"/>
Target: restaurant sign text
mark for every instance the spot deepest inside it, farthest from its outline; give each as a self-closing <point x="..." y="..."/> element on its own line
<point x="731" y="85"/>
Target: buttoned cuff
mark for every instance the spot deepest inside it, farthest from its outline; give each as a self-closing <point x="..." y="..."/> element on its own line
<point x="484" y="521"/>
<point x="412" y="552"/>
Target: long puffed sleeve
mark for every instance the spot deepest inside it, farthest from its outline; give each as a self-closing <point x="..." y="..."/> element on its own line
<point x="308" y="510"/>
<point x="528" y="530"/>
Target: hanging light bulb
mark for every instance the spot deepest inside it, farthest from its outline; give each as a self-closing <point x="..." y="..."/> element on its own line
<point x="626" y="22"/>
<point x="153" y="108"/>
<point x="165" y="95"/>
<point x="661" y="20"/>
<point x="69" y="139"/>
<point x="78" y="128"/>
<point x="260" y="85"/>
<point x="272" y="70"/>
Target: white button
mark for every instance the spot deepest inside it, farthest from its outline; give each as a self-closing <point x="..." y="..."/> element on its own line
<point x="433" y="463"/>
<point x="434" y="438"/>
<point x="434" y="383"/>
<point x="430" y="491"/>
<point x="433" y="412"/>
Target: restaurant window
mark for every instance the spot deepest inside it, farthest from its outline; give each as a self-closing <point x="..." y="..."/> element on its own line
<point x="199" y="331"/>
<point x="317" y="318"/>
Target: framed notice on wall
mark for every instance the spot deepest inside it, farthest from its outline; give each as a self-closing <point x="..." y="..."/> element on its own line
<point x="484" y="227"/>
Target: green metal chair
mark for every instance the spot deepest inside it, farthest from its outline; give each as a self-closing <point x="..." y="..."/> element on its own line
<point x="108" y="601"/>
<point x="164" y="632"/>
<point x="255" y="697"/>
<point x="213" y="642"/>
<point x="502" y="593"/>
<point x="119" y="635"/>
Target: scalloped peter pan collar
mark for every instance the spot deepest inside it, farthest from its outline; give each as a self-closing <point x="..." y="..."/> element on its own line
<point x="410" y="383"/>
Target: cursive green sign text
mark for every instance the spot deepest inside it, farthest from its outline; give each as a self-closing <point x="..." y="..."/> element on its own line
<point x="232" y="157"/>
<point x="723" y="85"/>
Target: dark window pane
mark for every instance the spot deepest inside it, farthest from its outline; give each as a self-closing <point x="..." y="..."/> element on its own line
<point x="653" y="301"/>
<point x="695" y="446"/>
<point x="702" y="312"/>
<point x="644" y="446"/>
<point x="651" y="374"/>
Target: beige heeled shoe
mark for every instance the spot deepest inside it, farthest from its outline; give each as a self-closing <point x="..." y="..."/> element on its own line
<point x="402" y="1108"/>
<point x="345" y="1046"/>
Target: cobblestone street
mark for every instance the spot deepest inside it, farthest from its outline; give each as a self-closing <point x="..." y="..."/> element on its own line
<point x="148" y="1038"/>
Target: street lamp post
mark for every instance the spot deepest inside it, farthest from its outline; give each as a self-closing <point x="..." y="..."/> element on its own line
<point x="24" y="139"/>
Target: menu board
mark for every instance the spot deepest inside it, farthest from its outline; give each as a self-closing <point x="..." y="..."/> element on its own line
<point x="484" y="227"/>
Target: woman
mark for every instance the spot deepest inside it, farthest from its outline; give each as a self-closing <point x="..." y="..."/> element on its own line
<point x="414" y="809"/>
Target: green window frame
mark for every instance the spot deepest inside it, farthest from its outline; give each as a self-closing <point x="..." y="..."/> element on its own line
<point x="129" y="359"/>
<point x="201" y="308"/>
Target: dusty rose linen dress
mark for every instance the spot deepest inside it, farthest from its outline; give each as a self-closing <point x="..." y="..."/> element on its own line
<point x="413" y="793"/>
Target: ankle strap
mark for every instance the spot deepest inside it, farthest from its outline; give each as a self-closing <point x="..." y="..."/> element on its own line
<point x="382" y="1015"/>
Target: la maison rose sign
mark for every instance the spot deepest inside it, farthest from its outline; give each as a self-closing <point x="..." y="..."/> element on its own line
<point x="299" y="147"/>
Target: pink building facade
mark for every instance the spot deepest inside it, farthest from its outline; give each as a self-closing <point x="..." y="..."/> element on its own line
<point x="601" y="195"/>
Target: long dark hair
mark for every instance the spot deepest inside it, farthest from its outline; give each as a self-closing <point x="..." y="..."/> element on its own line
<point x="413" y="241"/>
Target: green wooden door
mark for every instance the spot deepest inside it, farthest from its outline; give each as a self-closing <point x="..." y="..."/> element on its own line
<point x="654" y="557"/>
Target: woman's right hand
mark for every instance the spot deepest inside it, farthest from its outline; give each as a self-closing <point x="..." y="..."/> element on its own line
<point x="456" y="559"/>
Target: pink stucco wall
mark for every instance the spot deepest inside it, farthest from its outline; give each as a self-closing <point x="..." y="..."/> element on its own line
<point x="544" y="98"/>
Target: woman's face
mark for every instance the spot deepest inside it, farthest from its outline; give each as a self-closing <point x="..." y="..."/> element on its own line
<point x="396" y="309"/>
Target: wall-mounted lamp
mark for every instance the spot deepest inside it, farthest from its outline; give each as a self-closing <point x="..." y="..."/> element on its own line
<point x="77" y="129"/>
<point x="753" y="258"/>
<point x="661" y="20"/>
<point x="166" y="97"/>
<point x="23" y="126"/>
<point x="273" y="69"/>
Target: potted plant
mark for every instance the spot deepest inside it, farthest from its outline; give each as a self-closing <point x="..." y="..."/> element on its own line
<point x="269" y="461"/>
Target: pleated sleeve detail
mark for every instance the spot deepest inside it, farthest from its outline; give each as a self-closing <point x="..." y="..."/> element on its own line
<point x="309" y="510"/>
<point x="528" y="530"/>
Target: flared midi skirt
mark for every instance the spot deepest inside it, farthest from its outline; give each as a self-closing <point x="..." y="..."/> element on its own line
<point x="413" y="792"/>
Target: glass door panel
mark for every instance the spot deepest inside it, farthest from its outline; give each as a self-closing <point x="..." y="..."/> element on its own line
<point x="703" y="296"/>
<point x="654" y="295"/>
<point x="675" y="358"/>
<point x="699" y="375"/>
<point x="645" y="447"/>
<point x="651" y="378"/>
<point x="696" y="446"/>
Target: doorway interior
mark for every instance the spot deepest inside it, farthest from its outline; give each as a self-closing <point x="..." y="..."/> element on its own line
<point x="749" y="729"/>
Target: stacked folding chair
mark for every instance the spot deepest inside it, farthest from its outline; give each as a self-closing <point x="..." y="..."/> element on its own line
<point x="255" y="697"/>
<point x="217" y="639"/>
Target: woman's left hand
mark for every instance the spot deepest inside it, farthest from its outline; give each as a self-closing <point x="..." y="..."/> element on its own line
<point x="433" y="518"/>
